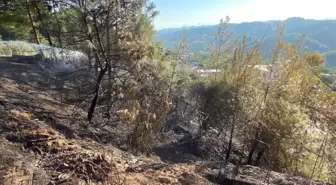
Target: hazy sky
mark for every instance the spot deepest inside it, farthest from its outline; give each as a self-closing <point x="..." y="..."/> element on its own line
<point x="177" y="13"/>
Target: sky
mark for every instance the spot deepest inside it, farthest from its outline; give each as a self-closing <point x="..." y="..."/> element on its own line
<point x="179" y="13"/>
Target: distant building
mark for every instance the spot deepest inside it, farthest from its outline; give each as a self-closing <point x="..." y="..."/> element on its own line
<point x="207" y="72"/>
<point x="264" y="70"/>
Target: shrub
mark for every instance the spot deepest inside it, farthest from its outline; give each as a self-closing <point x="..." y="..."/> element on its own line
<point x="5" y="50"/>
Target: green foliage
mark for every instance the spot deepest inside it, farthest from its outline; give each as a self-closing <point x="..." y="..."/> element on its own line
<point x="18" y="25"/>
<point x="14" y="21"/>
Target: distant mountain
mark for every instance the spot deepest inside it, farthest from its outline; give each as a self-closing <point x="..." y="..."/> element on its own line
<point x="320" y="35"/>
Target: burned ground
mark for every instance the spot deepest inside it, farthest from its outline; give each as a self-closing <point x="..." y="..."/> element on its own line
<point x="45" y="139"/>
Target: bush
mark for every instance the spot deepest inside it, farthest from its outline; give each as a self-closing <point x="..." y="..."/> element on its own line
<point x="271" y="115"/>
<point x="9" y="48"/>
<point x="215" y="103"/>
<point x="148" y="105"/>
<point x="22" y="48"/>
<point x="5" y="50"/>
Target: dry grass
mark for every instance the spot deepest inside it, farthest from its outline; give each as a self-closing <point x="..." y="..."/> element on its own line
<point x="16" y="114"/>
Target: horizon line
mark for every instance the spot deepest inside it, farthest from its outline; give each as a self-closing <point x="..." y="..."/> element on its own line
<point x="210" y="24"/>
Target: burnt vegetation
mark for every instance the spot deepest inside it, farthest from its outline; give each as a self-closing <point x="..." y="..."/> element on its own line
<point x="103" y="83"/>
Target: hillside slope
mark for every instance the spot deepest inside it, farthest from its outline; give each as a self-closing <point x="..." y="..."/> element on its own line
<point x="45" y="140"/>
<point x="320" y="35"/>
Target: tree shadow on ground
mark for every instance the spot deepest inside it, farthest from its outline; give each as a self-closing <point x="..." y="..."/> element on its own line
<point x="183" y="151"/>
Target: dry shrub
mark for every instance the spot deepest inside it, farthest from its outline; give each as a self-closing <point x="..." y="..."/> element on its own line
<point x="89" y="167"/>
<point x="148" y="105"/>
<point x="21" y="115"/>
<point x="68" y="160"/>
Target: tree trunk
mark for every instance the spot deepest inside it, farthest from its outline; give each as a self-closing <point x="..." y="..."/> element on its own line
<point x="59" y="27"/>
<point x="96" y="65"/>
<point x="108" y="51"/>
<point x="234" y="119"/>
<point x="260" y="154"/>
<point x="96" y="94"/>
<point x="250" y="156"/>
<point x="253" y="148"/>
<point x="42" y="23"/>
<point x="228" y="152"/>
<point x="32" y="22"/>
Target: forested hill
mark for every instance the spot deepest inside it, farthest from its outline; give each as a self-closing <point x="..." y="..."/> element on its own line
<point x="320" y="35"/>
